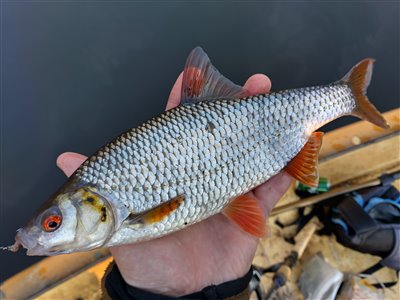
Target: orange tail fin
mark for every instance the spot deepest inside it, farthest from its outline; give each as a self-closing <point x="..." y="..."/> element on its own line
<point x="358" y="79"/>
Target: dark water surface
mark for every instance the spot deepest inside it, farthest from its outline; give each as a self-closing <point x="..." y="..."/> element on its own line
<point x="75" y="75"/>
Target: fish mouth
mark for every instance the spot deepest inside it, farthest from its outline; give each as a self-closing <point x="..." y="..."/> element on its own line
<point x="13" y="248"/>
<point x="30" y="243"/>
<point x="18" y="243"/>
<point x="23" y="240"/>
<point x="38" y="251"/>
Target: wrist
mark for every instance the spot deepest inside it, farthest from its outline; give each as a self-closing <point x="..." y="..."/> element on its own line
<point x="178" y="270"/>
<point x="115" y="287"/>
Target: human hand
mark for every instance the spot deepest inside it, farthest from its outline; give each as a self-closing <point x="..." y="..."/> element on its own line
<point x="210" y="252"/>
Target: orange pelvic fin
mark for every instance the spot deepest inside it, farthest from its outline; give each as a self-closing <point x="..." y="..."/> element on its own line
<point x="304" y="166"/>
<point x="358" y="79"/>
<point x="158" y="213"/>
<point x="246" y="212"/>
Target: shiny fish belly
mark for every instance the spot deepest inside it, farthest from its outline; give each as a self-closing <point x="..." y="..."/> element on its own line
<point x="210" y="152"/>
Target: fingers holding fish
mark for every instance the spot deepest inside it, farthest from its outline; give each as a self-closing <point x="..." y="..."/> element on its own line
<point x="258" y="84"/>
<point x="271" y="191"/>
<point x="68" y="162"/>
<point x="175" y="96"/>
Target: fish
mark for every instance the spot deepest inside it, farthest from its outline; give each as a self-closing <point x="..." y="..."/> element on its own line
<point x="194" y="161"/>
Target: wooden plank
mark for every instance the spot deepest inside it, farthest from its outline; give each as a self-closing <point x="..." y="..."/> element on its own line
<point x="372" y="159"/>
<point x="48" y="272"/>
<point x="85" y="285"/>
<point x="358" y="133"/>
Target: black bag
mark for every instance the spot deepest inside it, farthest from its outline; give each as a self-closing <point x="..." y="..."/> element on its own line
<point x="369" y="221"/>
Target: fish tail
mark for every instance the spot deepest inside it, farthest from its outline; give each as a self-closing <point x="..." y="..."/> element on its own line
<point x="358" y="79"/>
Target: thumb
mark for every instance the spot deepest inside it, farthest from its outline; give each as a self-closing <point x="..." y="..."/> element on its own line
<point x="68" y="162"/>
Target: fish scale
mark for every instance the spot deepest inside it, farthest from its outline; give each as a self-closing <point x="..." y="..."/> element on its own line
<point x="245" y="147"/>
<point x="195" y="161"/>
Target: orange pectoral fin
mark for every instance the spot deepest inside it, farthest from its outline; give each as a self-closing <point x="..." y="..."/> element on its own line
<point x="246" y="212"/>
<point x="158" y="213"/>
<point x="304" y="166"/>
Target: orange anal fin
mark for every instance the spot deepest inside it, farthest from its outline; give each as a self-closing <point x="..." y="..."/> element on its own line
<point x="246" y="212"/>
<point x="158" y="213"/>
<point x="304" y="166"/>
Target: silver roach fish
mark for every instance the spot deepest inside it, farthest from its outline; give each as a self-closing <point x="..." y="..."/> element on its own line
<point x="195" y="161"/>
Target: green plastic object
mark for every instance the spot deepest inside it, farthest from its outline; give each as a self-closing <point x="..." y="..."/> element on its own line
<point x="323" y="186"/>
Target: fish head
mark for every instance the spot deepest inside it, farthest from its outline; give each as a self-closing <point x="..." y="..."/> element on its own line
<point x="72" y="221"/>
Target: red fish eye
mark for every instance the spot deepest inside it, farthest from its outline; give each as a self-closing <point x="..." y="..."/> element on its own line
<point x="51" y="223"/>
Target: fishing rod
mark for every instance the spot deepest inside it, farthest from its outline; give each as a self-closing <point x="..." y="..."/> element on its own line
<point x="385" y="179"/>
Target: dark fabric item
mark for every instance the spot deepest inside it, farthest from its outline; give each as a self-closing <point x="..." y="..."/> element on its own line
<point x="393" y="259"/>
<point x="116" y="288"/>
<point x="378" y="191"/>
<point x="350" y="208"/>
<point x="368" y="221"/>
<point x="367" y="235"/>
<point x="384" y="213"/>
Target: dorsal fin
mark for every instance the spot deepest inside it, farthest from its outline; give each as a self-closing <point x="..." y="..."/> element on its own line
<point x="202" y="81"/>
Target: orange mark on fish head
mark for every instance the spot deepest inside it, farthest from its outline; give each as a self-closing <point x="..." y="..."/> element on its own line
<point x="93" y="200"/>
